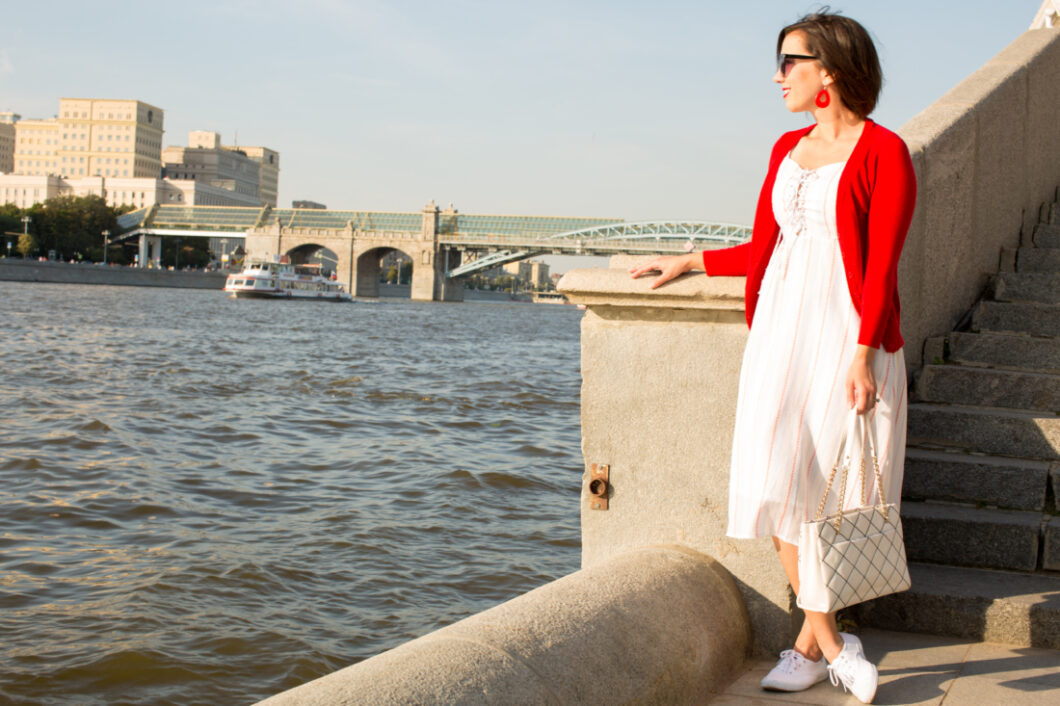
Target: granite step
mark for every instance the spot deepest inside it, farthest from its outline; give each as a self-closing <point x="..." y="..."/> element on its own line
<point x="1041" y="287"/>
<point x="980" y="604"/>
<point x="1017" y="484"/>
<point x="1038" y="259"/>
<point x="988" y="430"/>
<point x="1005" y="317"/>
<point x="963" y="535"/>
<point x="970" y="385"/>
<point x="1013" y="351"/>
<point x="1054" y="214"/>
<point x="1046" y="235"/>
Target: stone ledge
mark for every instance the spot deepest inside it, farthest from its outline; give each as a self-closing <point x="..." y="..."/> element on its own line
<point x="614" y="287"/>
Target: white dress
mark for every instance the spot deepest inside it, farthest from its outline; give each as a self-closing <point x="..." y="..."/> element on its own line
<point x="792" y="412"/>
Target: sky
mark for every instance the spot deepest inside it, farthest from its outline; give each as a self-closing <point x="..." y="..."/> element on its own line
<point x="616" y="109"/>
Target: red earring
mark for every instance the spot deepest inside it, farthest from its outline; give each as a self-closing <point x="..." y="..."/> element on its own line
<point x="823" y="99"/>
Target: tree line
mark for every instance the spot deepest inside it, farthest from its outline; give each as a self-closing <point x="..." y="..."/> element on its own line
<point x="72" y="227"/>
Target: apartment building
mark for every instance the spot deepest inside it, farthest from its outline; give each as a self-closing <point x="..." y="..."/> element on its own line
<point x="92" y="137"/>
<point x="250" y="171"/>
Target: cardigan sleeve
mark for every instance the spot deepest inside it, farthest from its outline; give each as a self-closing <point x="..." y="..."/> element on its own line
<point x="730" y="262"/>
<point x="890" y="213"/>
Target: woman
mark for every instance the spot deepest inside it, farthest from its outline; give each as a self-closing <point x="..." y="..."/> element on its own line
<point x="822" y="304"/>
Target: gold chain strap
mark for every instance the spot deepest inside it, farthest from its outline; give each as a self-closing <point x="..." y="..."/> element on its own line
<point x="868" y="436"/>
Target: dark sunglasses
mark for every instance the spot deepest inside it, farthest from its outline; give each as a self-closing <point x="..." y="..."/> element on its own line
<point x="786" y="61"/>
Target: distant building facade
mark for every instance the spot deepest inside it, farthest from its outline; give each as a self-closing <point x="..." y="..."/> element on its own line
<point x="204" y="160"/>
<point x="113" y="149"/>
<point x="24" y="190"/>
<point x="308" y="204"/>
<point x="7" y="141"/>
<point x="92" y="137"/>
<point x="247" y="171"/>
<point x="530" y="272"/>
<point x="269" y="179"/>
<point x="36" y="147"/>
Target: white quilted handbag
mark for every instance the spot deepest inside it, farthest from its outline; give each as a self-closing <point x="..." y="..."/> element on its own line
<point x="856" y="554"/>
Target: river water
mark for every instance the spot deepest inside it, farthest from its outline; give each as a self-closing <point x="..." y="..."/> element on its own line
<point x="207" y="501"/>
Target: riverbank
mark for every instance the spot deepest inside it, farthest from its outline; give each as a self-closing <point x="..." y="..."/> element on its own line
<point x="18" y="270"/>
<point x="402" y="291"/>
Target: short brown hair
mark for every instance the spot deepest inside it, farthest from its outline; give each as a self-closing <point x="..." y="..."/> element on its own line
<point x="847" y="53"/>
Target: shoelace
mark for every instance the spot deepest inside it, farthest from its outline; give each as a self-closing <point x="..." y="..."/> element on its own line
<point x="835" y="678"/>
<point x="792" y="659"/>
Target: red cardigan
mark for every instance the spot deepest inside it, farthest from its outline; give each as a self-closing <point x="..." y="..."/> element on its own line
<point x="877" y="193"/>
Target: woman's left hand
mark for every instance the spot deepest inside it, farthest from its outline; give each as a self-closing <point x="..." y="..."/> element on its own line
<point x="861" y="383"/>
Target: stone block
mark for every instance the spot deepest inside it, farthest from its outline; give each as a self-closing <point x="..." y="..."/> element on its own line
<point x="1040" y="287"/>
<point x="999" y="317"/>
<point x="1051" y="558"/>
<point x="978" y="604"/>
<point x="1038" y="260"/>
<point x="969" y="536"/>
<point x="660" y="373"/>
<point x="1006" y="350"/>
<point x="1047" y="236"/>
<point x="1011" y="483"/>
<point x="986" y="430"/>
<point x="935" y="350"/>
<point x="961" y="384"/>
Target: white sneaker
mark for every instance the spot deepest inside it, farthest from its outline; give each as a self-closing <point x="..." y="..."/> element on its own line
<point x="857" y="673"/>
<point x="795" y="673"/>
<point x="849" y="639"/>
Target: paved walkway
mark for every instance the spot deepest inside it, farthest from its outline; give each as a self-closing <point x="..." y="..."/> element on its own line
<point x="924" y="669"/>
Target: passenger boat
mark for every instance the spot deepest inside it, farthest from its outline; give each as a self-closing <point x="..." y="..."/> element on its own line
<point x="549" y="298"/>
<point x="282" y="280"/>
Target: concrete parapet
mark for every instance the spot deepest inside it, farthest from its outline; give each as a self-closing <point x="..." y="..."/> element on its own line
<point x="656" y="625"/>
<point x="987" y="167"/>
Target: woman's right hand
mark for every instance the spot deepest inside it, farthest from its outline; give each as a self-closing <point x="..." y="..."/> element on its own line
<point x="668" y="267"/>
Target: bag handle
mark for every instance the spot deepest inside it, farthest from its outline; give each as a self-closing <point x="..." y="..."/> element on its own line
<point x="868" y="439"/>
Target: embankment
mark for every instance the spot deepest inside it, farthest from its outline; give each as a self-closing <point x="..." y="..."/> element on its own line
<point x="13" y="270"/>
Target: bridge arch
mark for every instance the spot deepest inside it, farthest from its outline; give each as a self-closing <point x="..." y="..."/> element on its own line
<point x="315" y="254"/>
<point x="368" y="268"/>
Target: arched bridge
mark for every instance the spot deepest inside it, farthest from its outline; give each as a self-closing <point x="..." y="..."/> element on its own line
<point x="444" y="245"/>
